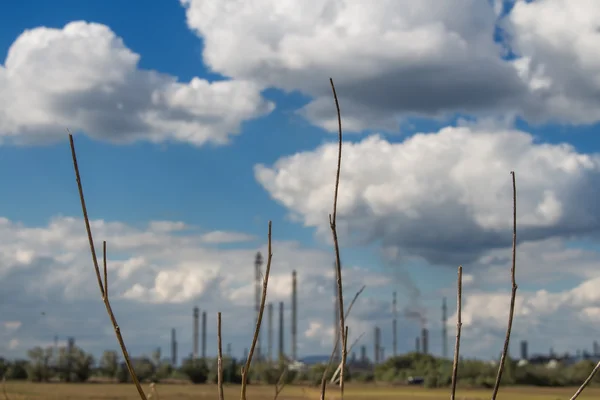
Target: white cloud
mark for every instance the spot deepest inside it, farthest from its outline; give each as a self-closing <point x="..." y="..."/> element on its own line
<point x="444" y="196"/>
<point x="83" y="77"/>
<point x="562" y="320"/>
<point x="392" y="59"/>
<point x="387" y="58"/>
<point x="556" y="41"/>
<point x="155" y="276"/>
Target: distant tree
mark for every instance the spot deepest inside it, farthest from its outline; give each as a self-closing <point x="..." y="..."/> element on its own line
<point x="196" y="370"/>
<point x="38" y="368"/>
<point x="74" y="364"/>
<point x="109" y="363"/>
<point x="17" y="370"/>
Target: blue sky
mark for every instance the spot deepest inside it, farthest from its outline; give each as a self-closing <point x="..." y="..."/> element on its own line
<point x="435" y="117"/>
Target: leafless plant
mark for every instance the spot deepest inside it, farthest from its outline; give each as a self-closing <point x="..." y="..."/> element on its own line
<point x="458" y="329"/>
<point x="219" y="357"/>
<point x="280" y="383"/>
<point x="153" y="392"/>
<point x="332" y="225"/>
<point x="587" y="381"/>
<point x="513" y="294"/>
<point x="103" y="288"/>
<point x="246" y="368"/>
<point x="324" y="377"/>
<point x="4" y="387"/>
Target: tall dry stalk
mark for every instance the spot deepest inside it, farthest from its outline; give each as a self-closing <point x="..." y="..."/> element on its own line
<point x="219" y="358"/>
<point x="332" y="225"/>
<point x="458" y="330"/>
<point x="103" y="288"/>
<point x="513" y="294"/>
<point x="246" y="368"/>
<point x="326" y="371"/>
<point x="587" y="381"/>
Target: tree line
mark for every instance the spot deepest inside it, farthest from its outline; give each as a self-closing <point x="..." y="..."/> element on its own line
<point x="75" y="365"/>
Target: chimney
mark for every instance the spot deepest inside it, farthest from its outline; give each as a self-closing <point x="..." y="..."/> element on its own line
<point x="203" y="335"/>
<point x="281" y="353"/>
<point x="270" y="333"/>
<point x="377" y="350"/>
<point x="444" y="329"/>
<point x="195" y="332"/>
<point x="258" y="291"/>
<point x="294" y="316"/>
<point x="394" y="326"/>
<point x="363" y="354"/>
<point x="417" y="345"/>
<point x="425" y="340"/>
<point x="524" y="350"/>
<point x="173" y="348"/>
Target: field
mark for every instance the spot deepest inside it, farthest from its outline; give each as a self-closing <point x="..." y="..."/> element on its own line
<point x="22" y="391"/>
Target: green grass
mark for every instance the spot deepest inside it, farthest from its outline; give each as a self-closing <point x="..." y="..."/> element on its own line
<point x="59" y="391"/>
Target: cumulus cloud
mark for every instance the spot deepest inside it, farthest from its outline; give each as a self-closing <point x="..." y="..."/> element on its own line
<point x="555" y="41"/>
<point x="393" y="59"/>
<point x="387" y="58"/>
<point x="541" y="314"/>
<point x="156" y="273"/>
<point x="444" y="196"/>
<point x="83" y="77"/>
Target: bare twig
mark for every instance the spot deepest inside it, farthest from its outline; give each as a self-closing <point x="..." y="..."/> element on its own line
<point x="246" y="368"/>
<point x="153" y="392"/>
<point x="586" y="382"/>
<point x="219" y="357"/>
<point x="513" y="294"/>
<point x="458" y="329"/>
<point x="280" y="383"/>
<point x="4" y="387"/>
<point x="332" y="225"/>
<point x="103" y="291"/>
<point x="324" y="377"/>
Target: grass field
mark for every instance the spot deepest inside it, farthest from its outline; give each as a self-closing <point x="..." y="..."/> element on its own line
<point x="57" y="391"/>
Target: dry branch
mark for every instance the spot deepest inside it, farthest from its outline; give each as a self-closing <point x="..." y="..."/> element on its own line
<point x="587" y="381"/>
<point x="324" y="377"/>
<point x="103" y="288"/>
<point x="458" y="329"/>
<point x="219" y="357"/>
<point x="332" y="225"/>
<point x="246" y="368"/>
<point x="513" y="294"/>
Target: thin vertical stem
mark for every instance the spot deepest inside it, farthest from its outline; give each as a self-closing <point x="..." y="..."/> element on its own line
<point x="458" y="330"/>
<point x="219" y="358"/>
<point x="246" y="368"/>
<point x="513" y="294"/>
<point x="332" y="224"/>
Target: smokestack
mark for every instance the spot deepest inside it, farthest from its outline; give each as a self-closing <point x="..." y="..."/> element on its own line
<point x="258" y="290"/>
<point x="203" y="335"/>
<point x="394" y="326"/>
<point x="363" y="354"/>
<point x="270" y="333"/>
<point x="336" y="322"/>
<point x="382" y="355"/>
<point x="417" y="345"/>
<point x="444" y="329"/>
<point x="294" y="316"/>
<point x="425" y="340"/>
<point x="524" y="350"/>
<point x="377" y="350"/>
<point x="281" y="354"/>
<point x="228" y="351"/>
<point x="173" y="348"/>
<point x="70" y="348"/>
<point x="196" y="332"/>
